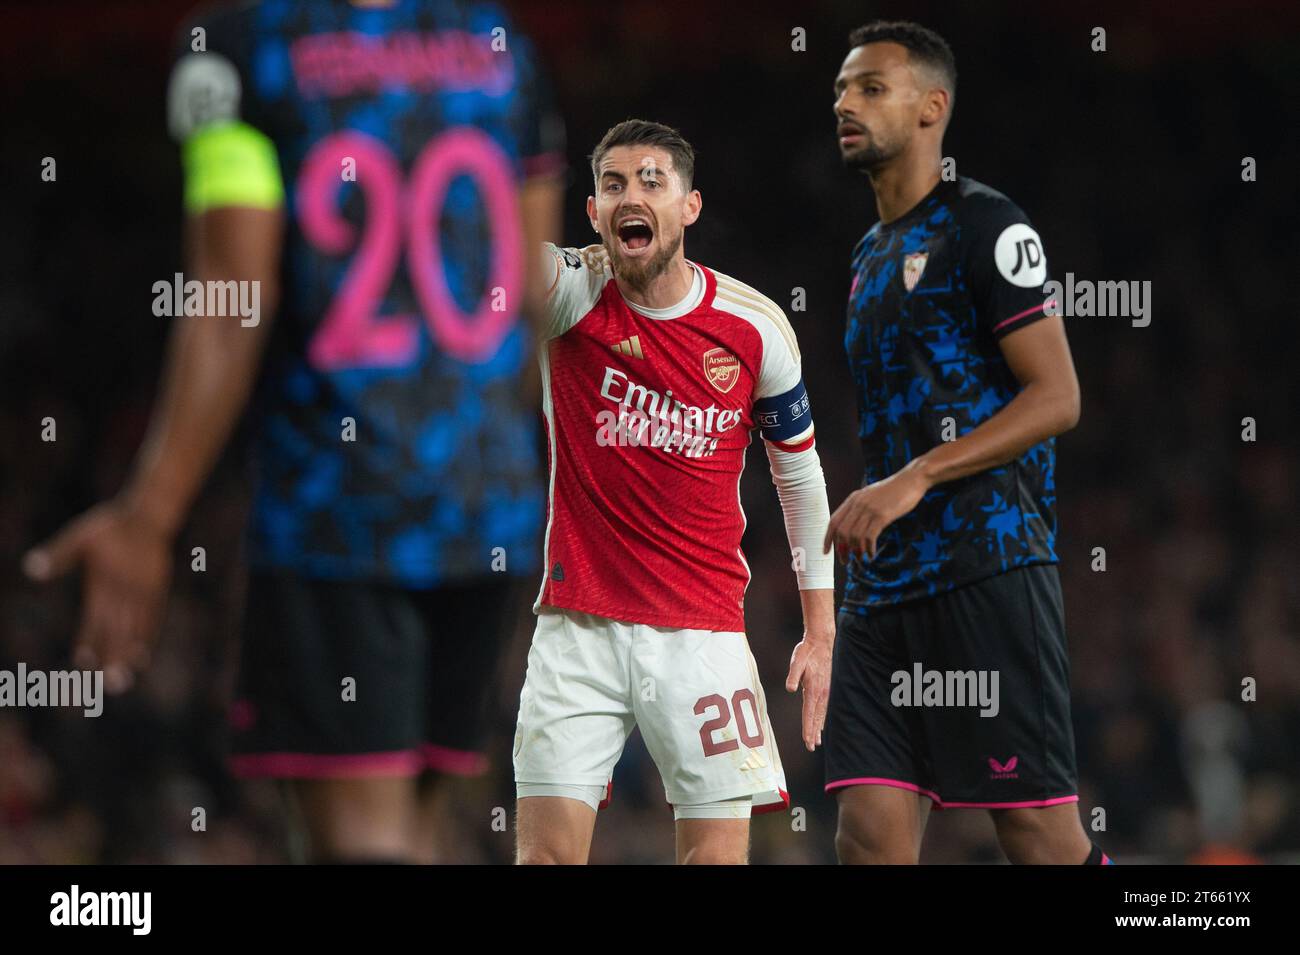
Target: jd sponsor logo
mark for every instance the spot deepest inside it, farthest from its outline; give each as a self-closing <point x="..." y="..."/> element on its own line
<point x="74" y="907"/>
<point x="921" y="687"/>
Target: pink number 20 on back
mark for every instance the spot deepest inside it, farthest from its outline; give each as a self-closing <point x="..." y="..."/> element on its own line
<point x="402" y="217"/>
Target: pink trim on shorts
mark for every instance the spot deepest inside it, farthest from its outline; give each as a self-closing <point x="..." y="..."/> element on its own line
<point x="881" y="781"/>
<point x="457" y="762"/>
<point x="940" y="804"/>
<point x="1028" y="804"/>
<point x="404" y="762"/>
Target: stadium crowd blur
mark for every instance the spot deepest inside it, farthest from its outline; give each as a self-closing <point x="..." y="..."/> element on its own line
<point x="1129" y="163"/>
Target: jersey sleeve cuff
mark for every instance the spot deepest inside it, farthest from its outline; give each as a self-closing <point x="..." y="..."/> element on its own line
<point x="1019" y="320"/>
<point x="231" y="164"/>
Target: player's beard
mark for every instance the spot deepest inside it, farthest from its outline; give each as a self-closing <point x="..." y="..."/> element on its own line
<point x="640" y="272"/>
<point x="871" y="156"/>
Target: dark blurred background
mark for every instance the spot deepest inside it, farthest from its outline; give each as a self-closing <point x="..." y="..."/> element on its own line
<point x="1128" y="162"/>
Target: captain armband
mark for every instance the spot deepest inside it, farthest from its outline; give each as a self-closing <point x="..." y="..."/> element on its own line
<point x="786" y="420"/>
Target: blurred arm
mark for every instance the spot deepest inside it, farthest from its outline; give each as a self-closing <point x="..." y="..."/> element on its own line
<point x="211" y="363"/>
<point x="125" y="544"/>
<point x="540" y="202"/>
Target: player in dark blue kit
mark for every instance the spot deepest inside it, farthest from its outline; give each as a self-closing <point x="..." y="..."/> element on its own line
<point x="378" y="170"/>
<point x="950" y="684"/>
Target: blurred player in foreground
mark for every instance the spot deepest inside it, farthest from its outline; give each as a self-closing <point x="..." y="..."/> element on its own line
<point x="656" y="371"/>
<point x="964" y="377"/>
<point x="391" y="162"/>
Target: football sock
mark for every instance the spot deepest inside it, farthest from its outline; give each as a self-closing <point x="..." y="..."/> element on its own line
<point x="1097" y="857"/>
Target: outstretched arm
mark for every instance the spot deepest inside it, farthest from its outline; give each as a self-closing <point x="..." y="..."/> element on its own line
<point x="124" y="545"/>
<point x="801" y="487"/>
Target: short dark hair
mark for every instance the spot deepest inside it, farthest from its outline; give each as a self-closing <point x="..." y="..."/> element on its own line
<point x="922" y="44"/>
<point x="641" y="132"/>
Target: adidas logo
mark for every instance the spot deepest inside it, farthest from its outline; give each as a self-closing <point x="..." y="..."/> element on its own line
<point x="753" y="762"/>
<point x="557" y="572"/>
<point x="629" y="346"/>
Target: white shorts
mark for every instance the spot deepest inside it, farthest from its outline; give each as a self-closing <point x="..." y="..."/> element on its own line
<point x="694" y="694"/>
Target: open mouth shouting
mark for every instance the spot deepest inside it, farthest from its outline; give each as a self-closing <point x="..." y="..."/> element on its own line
<point x="635" y="235"/>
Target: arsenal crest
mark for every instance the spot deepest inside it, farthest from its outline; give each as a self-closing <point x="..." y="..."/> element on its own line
<point x="722" y="368"/>
<point x="913" y="266"/>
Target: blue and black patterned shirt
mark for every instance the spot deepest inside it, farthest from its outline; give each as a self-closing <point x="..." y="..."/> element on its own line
<point x="394" y="439"/>
<point x="932" y="293"/>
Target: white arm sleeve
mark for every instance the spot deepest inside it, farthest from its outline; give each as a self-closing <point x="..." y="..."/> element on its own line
<point x="801" y="488"/>
<point x="779" y="390"/>
<point x="577" y="278"/>
<point x="782" y="412"/>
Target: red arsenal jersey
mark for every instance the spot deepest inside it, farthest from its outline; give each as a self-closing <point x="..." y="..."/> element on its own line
<point x="649" y="413"/>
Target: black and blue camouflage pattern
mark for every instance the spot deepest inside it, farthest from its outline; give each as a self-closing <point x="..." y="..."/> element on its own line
<point x="927" y="365"/>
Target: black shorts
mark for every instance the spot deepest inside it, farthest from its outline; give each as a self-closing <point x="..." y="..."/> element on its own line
<point x="422" y="666"/>
<point x="936" y="742"/>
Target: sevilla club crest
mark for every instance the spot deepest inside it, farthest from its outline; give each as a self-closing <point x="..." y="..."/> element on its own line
<point x="913" y="266"/>
<point x="722" y="368"/>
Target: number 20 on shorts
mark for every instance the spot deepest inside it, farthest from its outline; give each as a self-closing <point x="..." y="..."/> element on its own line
<point x="713" y="747"/>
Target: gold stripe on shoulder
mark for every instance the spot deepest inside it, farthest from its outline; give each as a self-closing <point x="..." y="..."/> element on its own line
<point x="741" y="294"/>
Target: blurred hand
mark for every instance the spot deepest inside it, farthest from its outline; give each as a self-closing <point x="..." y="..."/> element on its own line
<point x="859" y="521"/>
<point x="127" y="567"/>
<point x="810" y="668"/>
